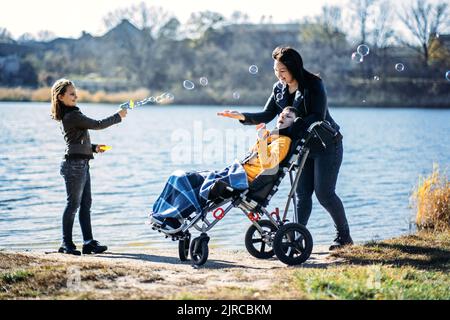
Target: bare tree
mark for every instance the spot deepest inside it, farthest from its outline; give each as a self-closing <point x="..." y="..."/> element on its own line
<point x="423" y="20"/>
<point x="145" y="17"/>
<point x="199" y="22"/>
<point x="42" y="35"/>
<point x="325" y="29"/>
<point x="381" y="32"/>
<point x="5" y="35"/>
<point x="170" y="30"/>
<point x="239" y="17"/>
<point x="26" y="37"/>
<point x="45" y="36"/>
<point x="362" y="10"/>
<point x="331" y="19"/>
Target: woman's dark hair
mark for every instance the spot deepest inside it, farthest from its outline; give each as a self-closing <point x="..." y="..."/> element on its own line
<point x="294" y="63"/>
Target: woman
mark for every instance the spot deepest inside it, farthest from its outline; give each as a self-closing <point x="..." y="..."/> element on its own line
<point x="187" y="192"/>
<point x="75" y="166"/>
<point x="306" y="92"/>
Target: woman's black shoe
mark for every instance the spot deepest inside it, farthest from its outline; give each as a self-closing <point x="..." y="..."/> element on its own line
<point x="341" y="241"/>
<point x="94" y="247"/>
<point x="69" y="249"/>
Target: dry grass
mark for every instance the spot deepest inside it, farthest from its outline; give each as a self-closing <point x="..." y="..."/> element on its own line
<point x="15" y="94"/>
<point x="432" y="200"/>
<point x="22" y="277"/>
<point x="424" y="250"/>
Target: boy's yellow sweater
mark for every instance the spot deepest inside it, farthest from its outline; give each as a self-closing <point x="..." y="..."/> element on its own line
<point x="268" y="154"/>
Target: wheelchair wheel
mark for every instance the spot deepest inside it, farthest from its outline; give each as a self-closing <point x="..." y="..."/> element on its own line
<point x="260" y="245"/>
<point x="199" y="250"/>
<point x="293" y="244"/>
<point x="183" y="247"/>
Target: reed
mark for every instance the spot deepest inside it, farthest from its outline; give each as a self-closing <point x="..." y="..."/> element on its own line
<point x="15" y="94"/>
<point x="84" y="96"/>
<point x="431" y="199"/>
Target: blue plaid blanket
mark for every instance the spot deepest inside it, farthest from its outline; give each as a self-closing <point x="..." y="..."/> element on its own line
<point x="187" y="192"/>
<point x="234" y="175"/>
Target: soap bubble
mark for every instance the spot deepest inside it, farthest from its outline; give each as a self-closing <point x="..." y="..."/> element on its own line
<point x="357" y="57"/>
<point x="363" y="50"/>
<point x="399" y="67"/>
<point x="253" y="69"/>
<point x="188" y="85"/>
<point x="279" y="96"/>
<point x="142" y="102"/>
<point x="376" y="78"/>
<point x="168" y="96"/>
<point x="203" y="81"/>
<point x="236" y="95"/>
<point x="447" y="75"/>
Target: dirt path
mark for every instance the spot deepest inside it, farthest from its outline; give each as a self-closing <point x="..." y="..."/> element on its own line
<point x="158" y="274"/>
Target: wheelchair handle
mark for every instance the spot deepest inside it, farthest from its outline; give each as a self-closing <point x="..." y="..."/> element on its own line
<point x="313" y="125"/>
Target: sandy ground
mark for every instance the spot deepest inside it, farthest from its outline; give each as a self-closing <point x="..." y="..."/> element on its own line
<point x="158" y="274"/>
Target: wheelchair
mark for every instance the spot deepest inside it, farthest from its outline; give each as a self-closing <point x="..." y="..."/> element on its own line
<point x="271" y="233"/>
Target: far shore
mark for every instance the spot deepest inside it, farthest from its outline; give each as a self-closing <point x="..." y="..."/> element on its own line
<point x="117" y="98"/>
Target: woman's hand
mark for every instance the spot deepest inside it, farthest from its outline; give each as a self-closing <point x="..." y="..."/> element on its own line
<point x="122" y="113"/>
<point x="233" y="114"/>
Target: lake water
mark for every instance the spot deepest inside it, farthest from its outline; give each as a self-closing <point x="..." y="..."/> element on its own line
<point x="385" y="152"/>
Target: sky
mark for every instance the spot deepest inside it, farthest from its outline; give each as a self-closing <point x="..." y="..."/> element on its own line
<point x="69" y="20"/>
<point x="21" y="16"/>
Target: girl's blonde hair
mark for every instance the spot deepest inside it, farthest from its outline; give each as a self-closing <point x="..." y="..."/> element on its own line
<point x="59" y="87"/>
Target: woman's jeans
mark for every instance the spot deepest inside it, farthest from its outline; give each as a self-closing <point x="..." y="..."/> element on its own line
<point x="78" y="187"/>
<point x="320" y="175"/>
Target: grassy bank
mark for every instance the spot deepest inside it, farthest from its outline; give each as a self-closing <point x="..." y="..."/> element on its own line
<point x="408" y="267"/>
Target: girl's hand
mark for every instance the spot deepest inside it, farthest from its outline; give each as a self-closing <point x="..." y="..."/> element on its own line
<point x="122" y="113"/>
<point x="233" y="114"/>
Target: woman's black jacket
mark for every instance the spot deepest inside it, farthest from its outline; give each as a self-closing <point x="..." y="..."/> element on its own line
<point x="311" y="105"/>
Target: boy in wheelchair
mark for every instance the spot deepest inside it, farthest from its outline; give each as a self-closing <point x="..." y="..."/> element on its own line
<point x="188" y="192"/>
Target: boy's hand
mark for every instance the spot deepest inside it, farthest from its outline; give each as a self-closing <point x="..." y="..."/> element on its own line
<point x="262" y="131"/>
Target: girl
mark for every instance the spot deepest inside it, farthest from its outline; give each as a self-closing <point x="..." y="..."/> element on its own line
<point x="304" y="91"/>
<point x="75" y="166"/>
